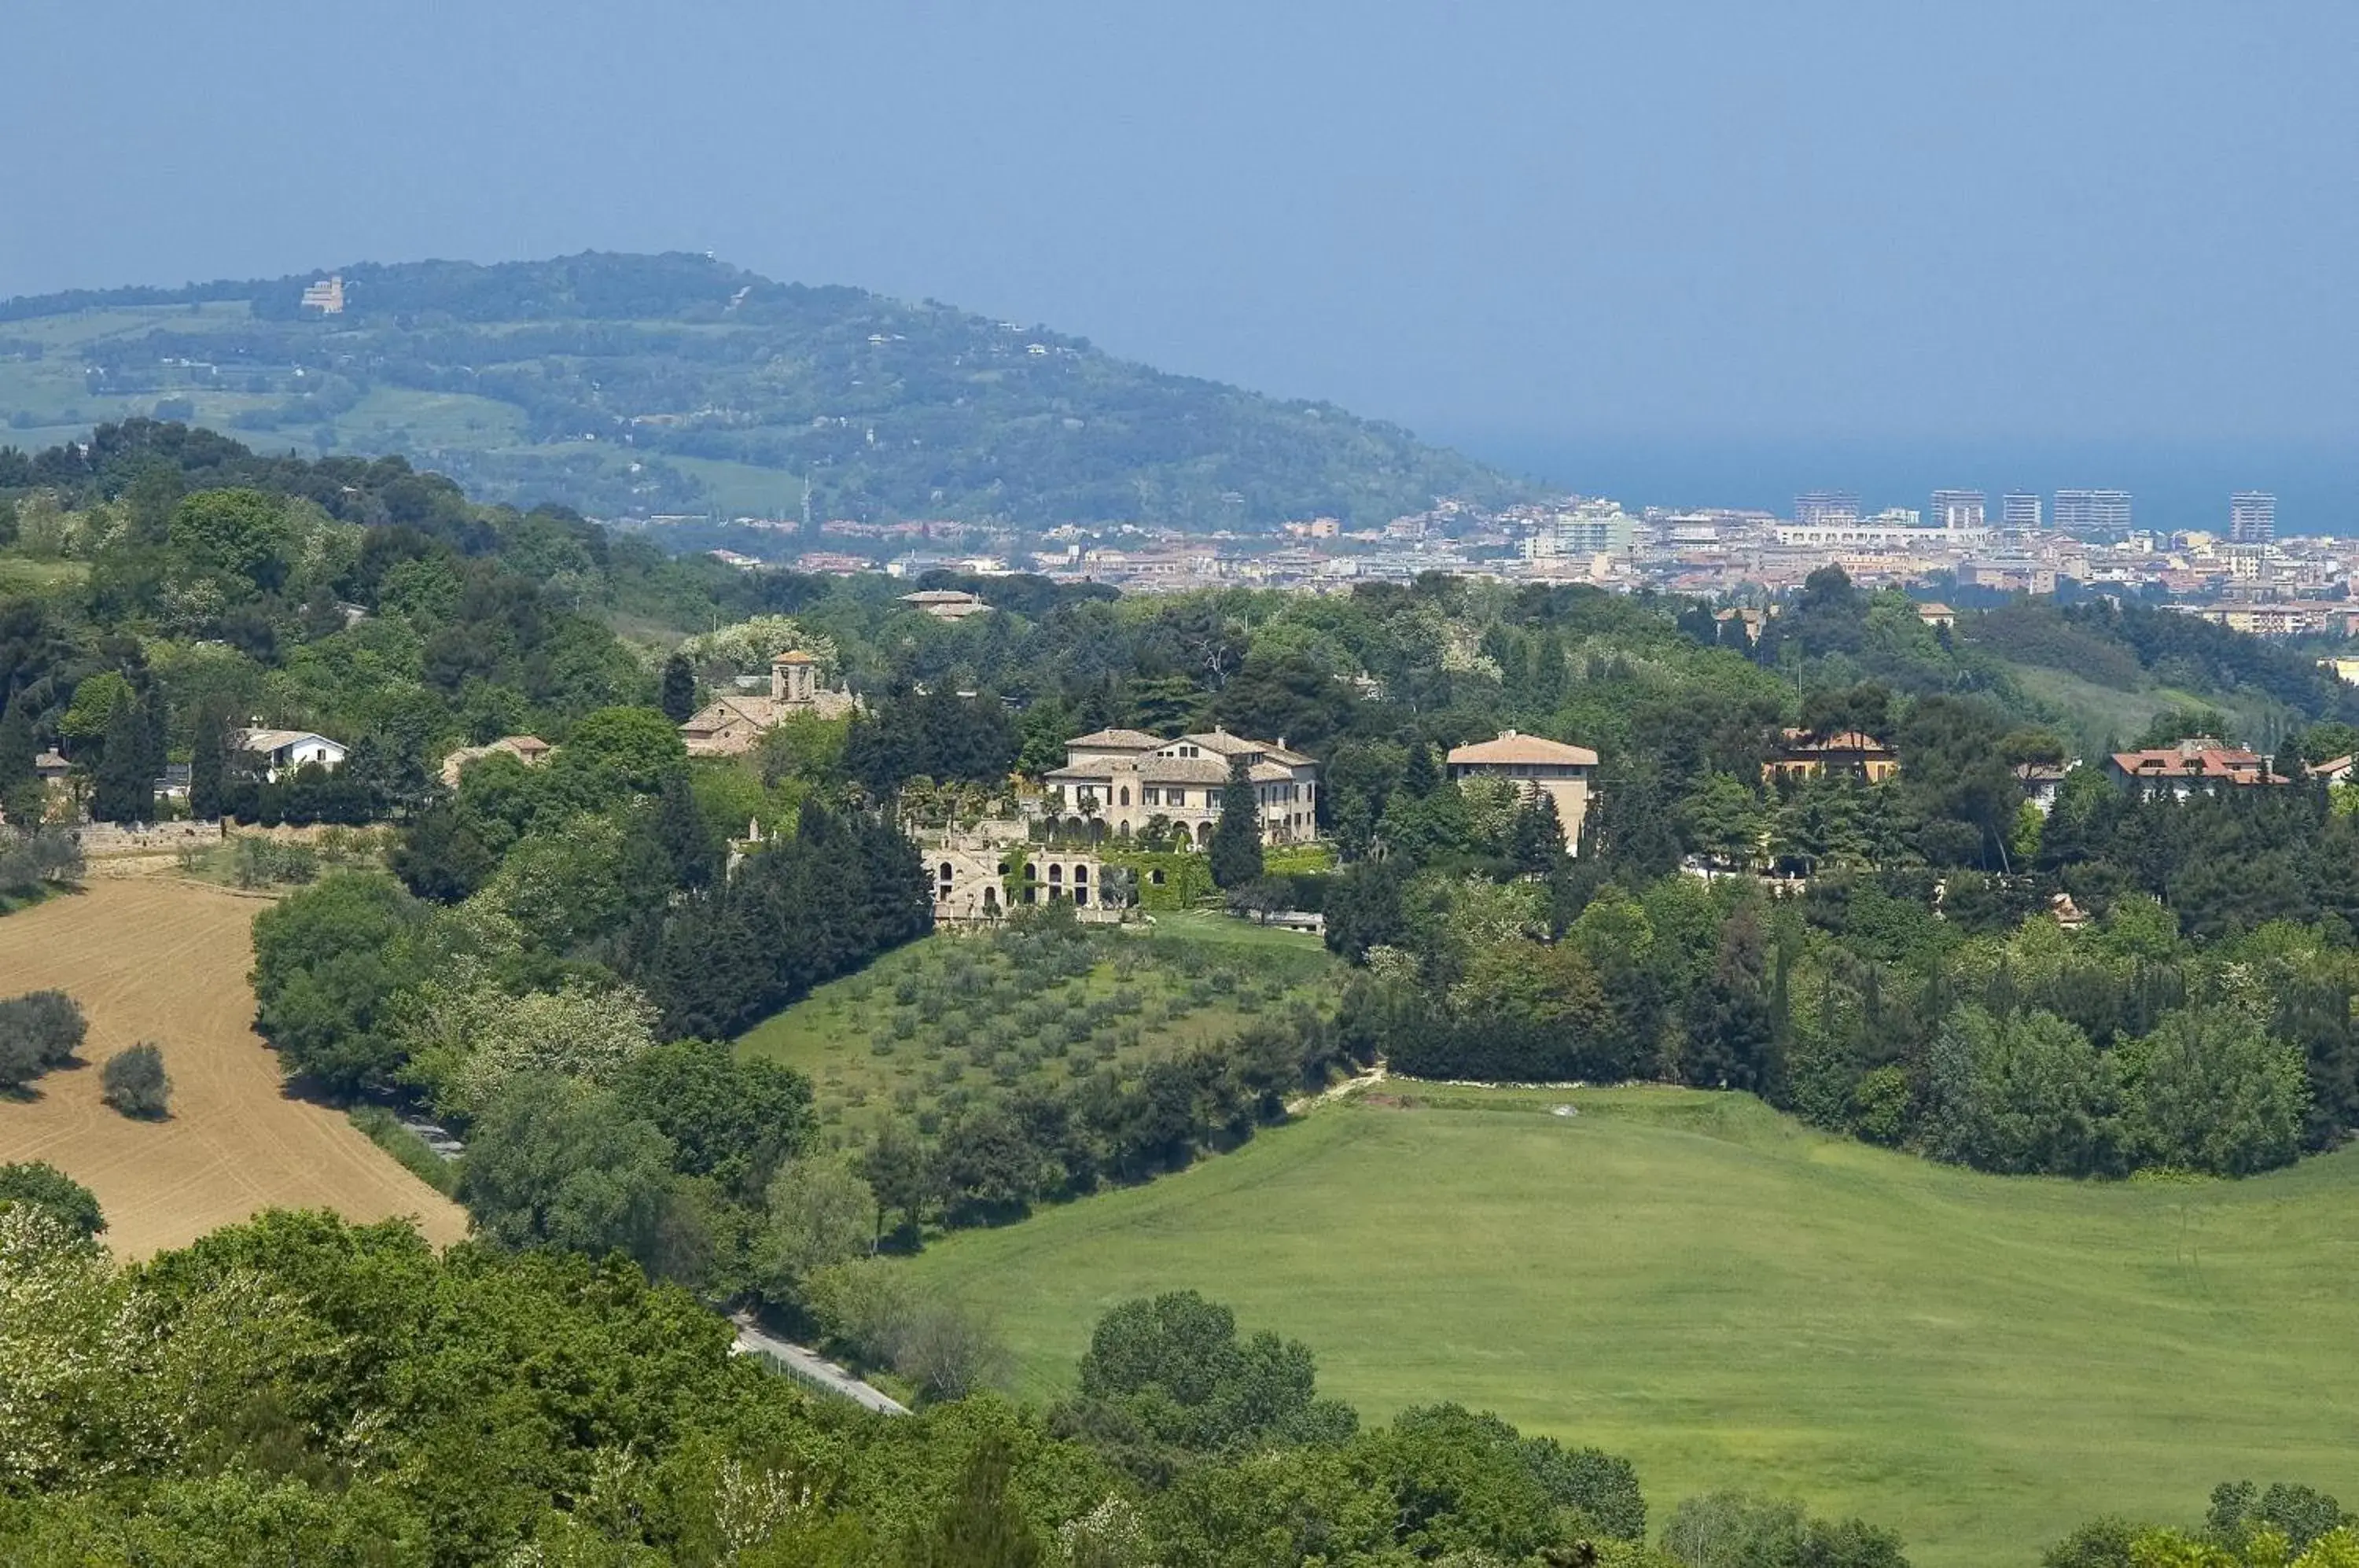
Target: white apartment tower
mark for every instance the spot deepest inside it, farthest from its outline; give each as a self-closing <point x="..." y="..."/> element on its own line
<point x="2100" y="511"/>
<point x="2019" y="512"/>
<point x="1956" y="509"/>
<point x="1823" y="508"/>
<point x="2251" y="516"/>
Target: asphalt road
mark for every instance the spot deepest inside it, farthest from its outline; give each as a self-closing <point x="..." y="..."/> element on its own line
<point x="814" y="1368"/>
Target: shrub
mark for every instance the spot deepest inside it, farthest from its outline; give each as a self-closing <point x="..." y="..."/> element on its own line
<point x="262" y="863"/>
<point x="50" y="1021"/>
<point x="37" y="1032"/>
<point x="48" y="1188"/>
<point x="134" y="1082"/>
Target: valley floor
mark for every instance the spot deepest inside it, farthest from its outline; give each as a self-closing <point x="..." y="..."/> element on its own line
<point x="1732" y="1300"/>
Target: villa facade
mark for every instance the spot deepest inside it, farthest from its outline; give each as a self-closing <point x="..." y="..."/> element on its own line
<point x="1116" y="782"/>
<point x="1535" y="766"/>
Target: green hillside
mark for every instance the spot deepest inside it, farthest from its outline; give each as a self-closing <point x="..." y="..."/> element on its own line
<point x="1728" y="1299"/>
<point x="638" y="384"/>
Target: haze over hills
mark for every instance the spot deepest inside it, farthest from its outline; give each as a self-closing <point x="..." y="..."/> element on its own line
<point x="632" y="385"/>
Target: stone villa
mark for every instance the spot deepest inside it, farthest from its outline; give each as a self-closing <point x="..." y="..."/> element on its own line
<point x="530" y="750"/>
<point x="730" y="725"/>
<point x="1117" y="781"/>
<point x="1536" y="767"/>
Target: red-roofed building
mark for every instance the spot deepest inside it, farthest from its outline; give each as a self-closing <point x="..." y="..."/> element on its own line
<point x="2199" y="762"/>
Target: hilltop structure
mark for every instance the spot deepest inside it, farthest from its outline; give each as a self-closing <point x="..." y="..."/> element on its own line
<point x="730" y="725"/>
<point x="1536" y="767"/>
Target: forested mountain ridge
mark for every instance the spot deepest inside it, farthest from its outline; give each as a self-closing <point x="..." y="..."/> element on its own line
<point x="622" y="384"/>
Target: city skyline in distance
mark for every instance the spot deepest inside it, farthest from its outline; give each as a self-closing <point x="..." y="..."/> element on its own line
<point x="2174" y="487"/>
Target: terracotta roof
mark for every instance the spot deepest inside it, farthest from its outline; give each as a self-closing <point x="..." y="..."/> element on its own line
<point x="1204" y="770"/>
<point x="794" y="656"/>
<point x="1844" y="740"/>
<point x="1513" y="748"/>
<point x="1221" y="743"/>
<point x="2232" y="764"/>
<point x="1116" y="740"/>
<point x="940" y="597"/>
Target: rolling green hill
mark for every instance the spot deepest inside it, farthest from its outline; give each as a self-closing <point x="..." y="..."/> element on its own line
<point x="640" y="384"/>
<point x="1730" y="1300"/>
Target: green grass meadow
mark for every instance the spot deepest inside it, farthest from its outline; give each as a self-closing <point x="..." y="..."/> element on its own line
<point x="1731" y="1300"/>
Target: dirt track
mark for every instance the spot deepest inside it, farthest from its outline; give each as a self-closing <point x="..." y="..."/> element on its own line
<point x="162" y="959"/>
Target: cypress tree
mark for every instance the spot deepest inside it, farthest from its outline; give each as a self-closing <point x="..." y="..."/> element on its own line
<point x="20" y="786"/>
<point x="679" y="829"/>
<point x="125" y="790"/>
<point x="678" y="698"/>
<point x="17" y="749"/>
<point x="208" y="763"/>
<point x="1236" y="837"/>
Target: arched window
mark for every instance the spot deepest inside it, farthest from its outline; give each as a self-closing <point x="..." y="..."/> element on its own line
<point x="946" y="872"/>
<point x="1125" y="794"/>
<point x="1156" y="875"/>
<point x="990" y="896"/>
<point x="1056" y="874"/>
<point x="1081" y="873"/>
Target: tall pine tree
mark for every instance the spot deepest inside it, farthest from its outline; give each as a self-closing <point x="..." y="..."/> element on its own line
<point x="1236" y="837"/>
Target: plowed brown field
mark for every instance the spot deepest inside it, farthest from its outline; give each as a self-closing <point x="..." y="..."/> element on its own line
<point x="161" y="959"/>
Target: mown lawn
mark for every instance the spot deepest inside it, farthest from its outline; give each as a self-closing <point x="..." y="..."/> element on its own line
<point x="1730" y="1300"/>
<point x="957" y="1017"/>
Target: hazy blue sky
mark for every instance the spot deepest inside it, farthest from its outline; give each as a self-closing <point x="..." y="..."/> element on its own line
<point x="1545" y="228"/>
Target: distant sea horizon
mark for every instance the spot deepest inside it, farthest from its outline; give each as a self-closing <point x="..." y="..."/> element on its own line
<point x="2173" y="485"/>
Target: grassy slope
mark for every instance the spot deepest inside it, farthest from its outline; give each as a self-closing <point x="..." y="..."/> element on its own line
<point x="2099" y="712"/>
<point x="1730" y="1300"/>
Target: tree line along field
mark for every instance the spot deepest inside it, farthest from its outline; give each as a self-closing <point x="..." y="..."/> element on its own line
<point x="161" y="959"/>
<point x="1730" y="1299"/>
<point x="962" y="1014"/>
